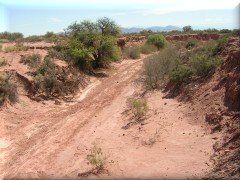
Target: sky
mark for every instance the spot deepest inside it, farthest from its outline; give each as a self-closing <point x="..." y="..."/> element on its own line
<point x="35" y="17"/>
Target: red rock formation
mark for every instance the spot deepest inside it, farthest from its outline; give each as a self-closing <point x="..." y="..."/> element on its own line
<point x="185" y="37"/>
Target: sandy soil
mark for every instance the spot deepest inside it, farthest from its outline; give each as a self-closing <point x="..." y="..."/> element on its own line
<point x="52" y="141"/>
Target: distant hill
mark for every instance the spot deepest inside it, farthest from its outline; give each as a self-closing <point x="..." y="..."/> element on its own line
<point x="153" y="28"/>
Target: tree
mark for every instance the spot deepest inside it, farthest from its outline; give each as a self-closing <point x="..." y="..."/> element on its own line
<point x="93" y="44"/>
<point x="187" y="29"/>
<point x="108" y="27"/>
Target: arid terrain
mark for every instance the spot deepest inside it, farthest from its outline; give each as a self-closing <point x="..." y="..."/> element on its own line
<point x="178" y="138"/>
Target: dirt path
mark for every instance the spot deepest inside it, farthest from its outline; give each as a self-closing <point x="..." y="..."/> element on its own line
<point x="53" y="141"/>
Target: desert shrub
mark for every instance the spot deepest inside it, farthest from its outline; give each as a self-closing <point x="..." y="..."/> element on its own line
<point x="225" y="31"/>
<point x="96" y="159"/>
<point x="181" y="74"/>
<point x="33" y="60"/>
<point x="138" y="107"/>
<point x="3" y="62"/>
<point x="157" y="40"/>
<point x="45" y="78"/>
<point x="236" y="32"/>
<point x="58" y="53"/>
<point x="158" y="67"/>
<point x="132" y="52"/>
<point x="0" y="47"/>
<point x="16" y="48"/>
<point x="207" y="49"/>
<point x="209" y="30"/>
<point x="11" y="36"/>
<point x="204" y="65"/>
<point x="4" y="40"/>
<point x="51" y="37"/>
<point x="8" y="89"/>
<point x="33" y="38"/>
<point x="190" y="45"/>
<point x="148" y="49"/>
<point x="220" y="45"/>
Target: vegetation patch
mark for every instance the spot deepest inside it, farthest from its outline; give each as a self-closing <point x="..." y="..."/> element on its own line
<point x="11" y="36"/>
<point x="181" y="74"/>
<point x="157" y="40"/>
<point x="132" y="52"/>
<point x="3" y="62"/>
<point x="220" y="45"/>
<point x="190" y="44"/>
<point x="138" y="108"/>
<point x="204" y="65"/>
<point x="159" y="66"/>
<point x="33" y="60"/>
<point x="8" y="90"/>
<point x="92" y="45"/>
<point x="16" y="48"/>
<point x="51" y="82"/>
<point x="96" y="158"/>
<point x="148" y="48"/>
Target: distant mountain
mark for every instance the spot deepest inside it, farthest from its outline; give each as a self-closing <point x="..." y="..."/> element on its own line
<point x="153" y="28"/>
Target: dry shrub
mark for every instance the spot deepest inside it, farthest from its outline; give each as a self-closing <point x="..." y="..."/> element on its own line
<point x="138" y="108"/>
<point x="132" y="52"/>
<point x="159" y="66"/>
<point x="8" y="90"/>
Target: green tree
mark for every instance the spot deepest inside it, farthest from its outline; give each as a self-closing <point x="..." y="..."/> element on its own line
<point x="187" y="29"/>
<point x="93" y="44"/>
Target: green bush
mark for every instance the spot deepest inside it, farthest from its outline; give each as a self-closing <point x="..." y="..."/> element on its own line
<point x="159" y="66"/>
<point x="11" y="36"/>
<point x="181" y="74"/>
<point x="132" y="52"/>
<point x="8" y="89"/>
<point x="57" y="53"/>
<point x="236" y="32"/>
<point x="204" y="65"/>
<point x="32" y="60"/>
<point x="107" y="52"/>
<point x="225" y="31"/>
<point x="220" y="45"/>
<point x="51" y="37"/>
<point x="46" y="78"/>
<point x="148" y="49"/>
<point x="190" y="45"/>
<point x="33" y="38"/>
<point x="157" y="39"/>
<point x="16" y="48"/>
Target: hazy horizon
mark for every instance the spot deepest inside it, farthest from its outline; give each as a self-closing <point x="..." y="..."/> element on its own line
<point x="37" y="17"/>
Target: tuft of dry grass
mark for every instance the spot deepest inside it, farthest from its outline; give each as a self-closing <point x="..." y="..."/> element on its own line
<point x="138" y="108"/>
